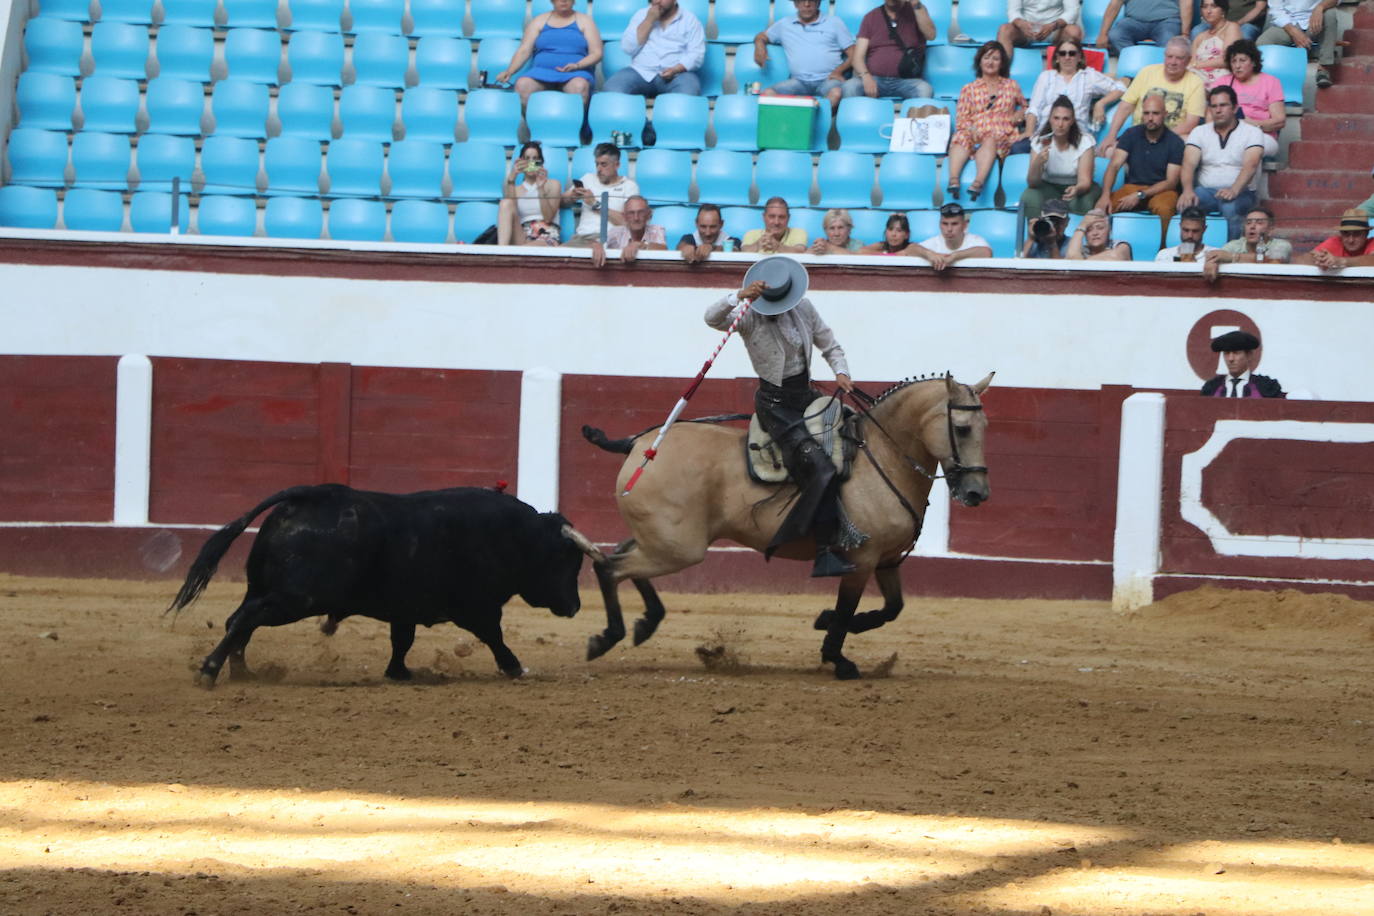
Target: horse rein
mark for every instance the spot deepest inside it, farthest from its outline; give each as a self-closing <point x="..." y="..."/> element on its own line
<point x="956" y="469"/>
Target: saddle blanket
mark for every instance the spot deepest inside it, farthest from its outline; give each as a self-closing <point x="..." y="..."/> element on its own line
<point x="829" y="423"/>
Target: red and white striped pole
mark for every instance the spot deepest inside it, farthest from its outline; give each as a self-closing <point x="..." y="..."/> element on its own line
<point x="651" y="452"/>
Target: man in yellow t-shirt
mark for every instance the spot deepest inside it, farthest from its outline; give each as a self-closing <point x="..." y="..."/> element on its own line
<point x="1183" y="92"/>
<point x="776" y="236"/>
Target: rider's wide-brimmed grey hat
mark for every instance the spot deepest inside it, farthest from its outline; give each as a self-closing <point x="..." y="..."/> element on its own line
<point x="786" y="282"/>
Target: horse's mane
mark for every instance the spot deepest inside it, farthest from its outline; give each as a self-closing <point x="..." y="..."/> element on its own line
<point x="908" y="382"/>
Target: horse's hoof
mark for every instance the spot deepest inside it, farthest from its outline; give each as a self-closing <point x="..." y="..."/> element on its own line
<point x="204" y="680"/>
<point x="845" y="670"/>
<point x="518" y="671"/>
<point x="241" y="674"/>
<point x="397" y="674"/>
<point x="643" y="630"/>
<point x="598" y="646"/>
<point x="823" y="619"/>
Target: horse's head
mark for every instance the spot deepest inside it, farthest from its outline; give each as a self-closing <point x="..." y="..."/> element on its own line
<point x="952" y="430"/>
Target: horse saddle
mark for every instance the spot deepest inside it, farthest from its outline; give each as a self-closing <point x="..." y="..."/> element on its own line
<point x="828" y="421"/>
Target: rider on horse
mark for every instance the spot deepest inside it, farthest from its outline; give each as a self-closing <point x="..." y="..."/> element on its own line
<point x="779" y="331"/>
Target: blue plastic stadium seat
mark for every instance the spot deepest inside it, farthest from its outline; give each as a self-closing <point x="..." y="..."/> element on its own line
<point x="443" y="62"/>
<point x="845" y="179"/>
<point x="610" y="111"/>
<point x="1014" y="169"/>
<point x="355" y="168"/>
<point x="820" y="129"/>
<point x="1026" y="66"/>
<point x="151" y="211"/>
<point x="239" y="108"/>
<point x="664" y="175"/>
<point x="293" y="218"/>
<point x="120" y="49"/>
<point x="584" y="162"/>
<point x="612" y="16"/>
<point x="184" y="52"/>
<point x="493" y="116"/>
<point x="253" y="54"/>
<point x="318" y="15"/>
<point x="54" y="46"/>
<point x="1140" y="231"/>
<point x="1130" y="60"/>
<point x="437" y="17"/>
<point x="28" y="208"/>
<point x="747" y="72"/>
<point x="470" y="219"/>
<point x="160" y="158"/>
<point x="198" y="13"/>
<point x="315" y="57"/>
<point x="999" y="228"/>
<point x="739" y="220"/>
<point x="698" y="8"/>
<point x="100" y="160"/>
<point x="416" y="169"/>
<point x="680" y="121"/>
<point x="175" y="106"/>
<point x="985" y="198"/>
<point x="1090" y="15"/>
<point x="859" y="121"/>
<point x="47" y="100"/>
<point x="906" y="180"/>
<point x="381" y="59"/>
<point x="677" y="221"/>
<point x="556" y="117"/>
<point x="613" y="60"/>
<point x="230" y="165"/>
<point x="138" y="12"/>
<point x="784" y="173"/>
<point x="368" y="112"/>
<point x="925" y="223"/>
<point x="948" y="69"/>
<point x="1289" y="66"/>
<point x="712" y="72"/>
<point x="251" y="14"/>
<point x="427" y="222"/>
<point x="108" y="103"/>
<point x="292" y="165"/>
<point x="356" y="220"/>
<point x="498" y="18"/>
<point x="870" y="225"/>
<point x="556" y="164"/>
<point x="430" y="114"/>
<point x="234" y="216"/>
<point x="740" y="20"/>
<point x="71" y="10"/>
<point x="723" y="177"/>
<point x="980" y="19"/>
<point x="477" y="170"/>
<point x="736" y="122"/>
<point x="494" y="55"/>
<point x="383" y="16"/>
<point x="89" y="210"/>
<point x="851" y="13"/>
<point x="809" y="220"/>
<point x="37" y="157"/>
<point x="306" y="110"/>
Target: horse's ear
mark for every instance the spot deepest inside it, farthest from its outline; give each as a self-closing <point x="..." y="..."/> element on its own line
<point x="951" y="386"/>
<point x="982" y="386"/>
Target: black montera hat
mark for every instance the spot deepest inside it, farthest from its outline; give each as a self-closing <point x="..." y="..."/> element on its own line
<point x="1235" y="340"/>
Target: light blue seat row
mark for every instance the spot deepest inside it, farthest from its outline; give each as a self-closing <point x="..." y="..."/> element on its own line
<point x="349" y="219"/>
<point x="87" y="209"/>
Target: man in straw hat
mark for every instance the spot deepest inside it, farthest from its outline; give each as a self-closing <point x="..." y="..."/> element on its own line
<point x="1237" y="349"/>
<point x="1351" y="246"/>
<point x="779" y="331"/>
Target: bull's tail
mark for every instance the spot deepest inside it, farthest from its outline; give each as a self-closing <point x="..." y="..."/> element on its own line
<point x="207" y="561"/>
<point x="598" y="438"/>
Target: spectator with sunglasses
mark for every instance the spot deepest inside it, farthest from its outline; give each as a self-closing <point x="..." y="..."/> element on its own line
<point x="1089" y="90"/>
<point x="986" y="117"/>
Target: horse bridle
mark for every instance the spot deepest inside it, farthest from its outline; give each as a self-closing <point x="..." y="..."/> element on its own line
<point x="956" y="468"/>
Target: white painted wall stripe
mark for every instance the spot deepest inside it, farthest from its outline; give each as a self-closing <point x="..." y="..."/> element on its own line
<point x="541" y="404"/>
<point x="133" y="439"/>
<point x="1139" y="478"/>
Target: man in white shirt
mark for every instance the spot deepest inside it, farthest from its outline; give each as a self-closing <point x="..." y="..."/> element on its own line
<point x="1308" y="24"/>
<point x="1192" y="224"/>
<point x="667" y="46"/>
<point x="1221" y="163"/>
<point x="1030" y="21"/>
<point x="954" y="243"/>
<point x="588" y="190"/>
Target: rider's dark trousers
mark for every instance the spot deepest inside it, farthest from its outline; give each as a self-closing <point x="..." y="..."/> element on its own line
<point x="780" y="410"/>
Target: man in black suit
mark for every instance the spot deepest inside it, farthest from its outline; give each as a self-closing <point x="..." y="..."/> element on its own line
<point x="1238" y="348"/>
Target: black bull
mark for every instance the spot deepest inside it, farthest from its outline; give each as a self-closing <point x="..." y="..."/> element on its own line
<point x="421" y="558"/>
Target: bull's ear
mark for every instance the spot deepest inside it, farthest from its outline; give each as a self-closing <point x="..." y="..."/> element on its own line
<point x="982" y="386"/>
<point x="584" y="544"/>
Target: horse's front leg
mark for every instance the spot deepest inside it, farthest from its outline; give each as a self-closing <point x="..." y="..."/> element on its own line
<point x="851" y="589"/>
<point x="890" y="582"/>
<point x="600" y="643"/>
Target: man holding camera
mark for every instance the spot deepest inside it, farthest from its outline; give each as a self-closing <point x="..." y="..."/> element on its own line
<point x="1192" y="224"/>
<point x="890" y="52"/>
<point x="1047" y="239"/>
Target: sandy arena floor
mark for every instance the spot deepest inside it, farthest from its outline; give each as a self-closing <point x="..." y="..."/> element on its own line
<point x="1213" y="754"/>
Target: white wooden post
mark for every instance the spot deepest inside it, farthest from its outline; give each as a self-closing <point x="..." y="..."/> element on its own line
<point x="133" y="439"/>
<point x="541" y="412"/>
<point x="1139" y="485"/>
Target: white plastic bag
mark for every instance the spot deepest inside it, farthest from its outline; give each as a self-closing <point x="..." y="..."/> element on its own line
<point x="929" y="134"/>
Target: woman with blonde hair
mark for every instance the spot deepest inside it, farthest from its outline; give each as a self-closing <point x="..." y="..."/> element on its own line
<point x="838" y="225"/>
<point x="1092" y="241"/>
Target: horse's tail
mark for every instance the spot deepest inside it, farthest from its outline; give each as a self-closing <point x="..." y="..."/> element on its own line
<point x="598" y="438"/>
<point x="207" y="561"/>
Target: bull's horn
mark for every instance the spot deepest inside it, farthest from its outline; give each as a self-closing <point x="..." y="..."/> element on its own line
<point x="584" y="544"/>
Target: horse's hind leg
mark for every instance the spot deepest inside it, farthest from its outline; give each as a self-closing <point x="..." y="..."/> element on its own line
<point x="599" y="644"/>
<point x="653" y="611"/>
<point x="890" y="581"/>
<point x="851" y="590"/>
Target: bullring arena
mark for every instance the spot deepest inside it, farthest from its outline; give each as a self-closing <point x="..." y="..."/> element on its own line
<point x="1135" y="682"/>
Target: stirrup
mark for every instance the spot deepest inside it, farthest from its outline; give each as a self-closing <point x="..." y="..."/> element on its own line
<point x="829" y="563"/>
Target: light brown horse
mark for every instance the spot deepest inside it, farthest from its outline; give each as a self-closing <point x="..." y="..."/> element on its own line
<point x="697" y="491"/>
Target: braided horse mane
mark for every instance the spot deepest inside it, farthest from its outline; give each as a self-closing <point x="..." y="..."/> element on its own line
<point x="908" y="382"/>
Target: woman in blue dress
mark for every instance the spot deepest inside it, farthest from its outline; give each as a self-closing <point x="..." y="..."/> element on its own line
<point x="566" y="47"/>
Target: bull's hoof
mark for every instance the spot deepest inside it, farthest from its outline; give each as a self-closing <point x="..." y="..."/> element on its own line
<point x="823" y="619"/>
<point x="205" y="680"/>
<point x="397" y="673"/>
<point x="644" y="628"/>
<point x="598" y="646"/>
